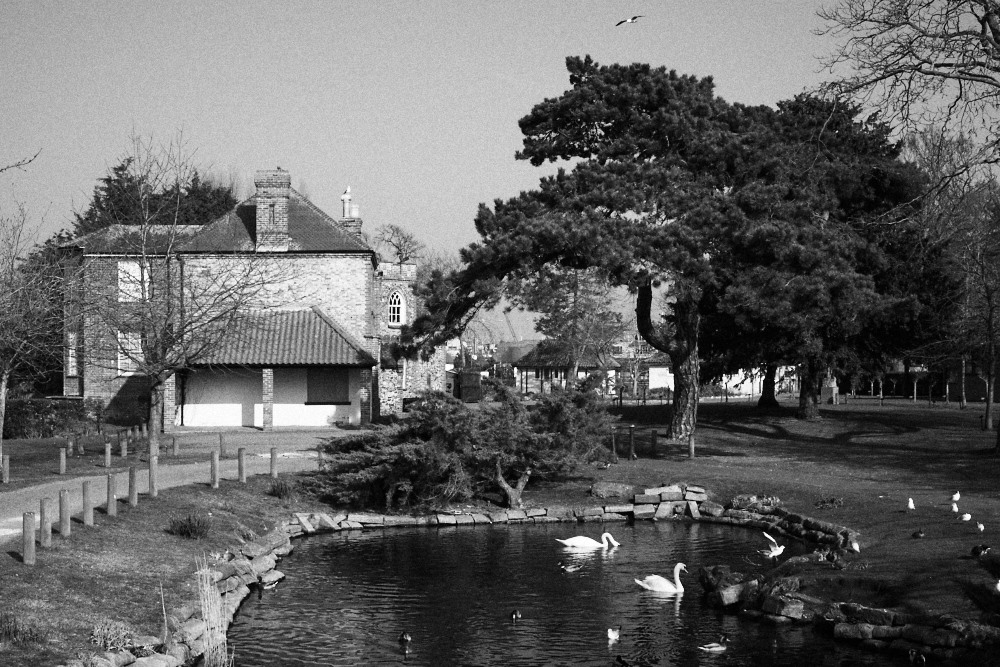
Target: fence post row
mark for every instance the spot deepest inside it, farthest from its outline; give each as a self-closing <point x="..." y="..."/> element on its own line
<point x="45" y="522"/>
<point x="215" y="470"/>
<point x="133" y="486"/>
<point x="28" y="538"/>
<point x="88" y="505"/>
<point x="112" y="506"/>
<point x="241" y="455"/>
<point x="64" y="516"/>
<point x="274" y="463"/>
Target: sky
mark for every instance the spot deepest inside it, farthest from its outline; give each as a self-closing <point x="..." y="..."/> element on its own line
<point x="414" y="105"/>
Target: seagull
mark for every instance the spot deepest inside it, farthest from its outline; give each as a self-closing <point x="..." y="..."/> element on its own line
<point x="631" y="20"/>
<point x="716" y="647"/>
<point x="774" y="550"/>
<point x="955" y="498"/>
<point x="918" y="534"/>
<point x="980" y="526"/>
<point x="515" y="616"/>
<point x="614" y="635"/>
<point x="966" y="517"/>
<point x="954" y="508"/>
<point x="270" y="586"/>
<point x="910" y="505"/>
<point x="855" y="546"/>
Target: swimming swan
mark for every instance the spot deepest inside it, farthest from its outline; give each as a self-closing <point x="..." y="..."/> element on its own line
<point x="581" y="542"/>
<point x="655" y="582"/>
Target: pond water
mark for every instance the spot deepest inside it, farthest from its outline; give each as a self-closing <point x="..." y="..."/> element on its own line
<point x="348" y="596"/>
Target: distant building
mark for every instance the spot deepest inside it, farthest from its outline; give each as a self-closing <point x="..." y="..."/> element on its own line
<point x="547" y="366"/>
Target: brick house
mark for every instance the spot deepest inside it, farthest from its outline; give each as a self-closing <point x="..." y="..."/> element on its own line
<point x="308" y="348"/>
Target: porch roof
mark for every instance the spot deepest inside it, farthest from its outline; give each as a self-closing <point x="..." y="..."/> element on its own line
<point x="306" y="337"/>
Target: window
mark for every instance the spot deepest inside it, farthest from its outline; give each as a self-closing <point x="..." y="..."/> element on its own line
<point x="71" y="361"/>
<point x="327" y="386"/>
<point x="129" y="280"/>
<point x="129" y="350"/>
<point x="397" y="309"/>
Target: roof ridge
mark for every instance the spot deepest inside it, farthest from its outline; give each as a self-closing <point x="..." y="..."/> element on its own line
<point x="340" y="330"/>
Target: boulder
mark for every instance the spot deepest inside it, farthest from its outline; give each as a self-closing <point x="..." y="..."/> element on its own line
<point x="781" y="605"/>
<point x="646" y="499"/>
<point x="692" y="507"/>
<point x="644" y="512"/>
<point x="710" y="508"/>
<point x="696" y="497"/>
<point x="612" y="490"/>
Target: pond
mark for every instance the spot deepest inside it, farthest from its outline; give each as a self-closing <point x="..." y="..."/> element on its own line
<point x="348" y="596"/>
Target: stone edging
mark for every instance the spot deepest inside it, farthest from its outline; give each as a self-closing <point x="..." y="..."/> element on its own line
<point x="776" y="601"/>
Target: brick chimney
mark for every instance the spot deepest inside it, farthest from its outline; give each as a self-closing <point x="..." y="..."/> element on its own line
<point x="273" y="187"/>
<point x="350" y="217"/>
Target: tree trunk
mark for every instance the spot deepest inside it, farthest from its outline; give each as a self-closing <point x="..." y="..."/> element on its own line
<point x="4" y="381"/>
<point x="962" y="401"/>
<point x="914" y="389"/>
<point x="155" y="417"/>
<point x="990" y="382"/>
<point x="767" y="396"/>
<point x="684" y="359"/>
<point x="809" y="390"/>
<point x="513" y="493"/>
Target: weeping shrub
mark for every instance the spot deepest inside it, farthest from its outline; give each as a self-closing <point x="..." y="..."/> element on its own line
<point x="446" y="451"/>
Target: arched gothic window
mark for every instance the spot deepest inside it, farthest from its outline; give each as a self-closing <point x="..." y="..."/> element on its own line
<point x="397" y="309"/>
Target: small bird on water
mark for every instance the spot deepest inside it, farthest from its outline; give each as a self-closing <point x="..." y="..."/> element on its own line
<point x="515" y="616"/>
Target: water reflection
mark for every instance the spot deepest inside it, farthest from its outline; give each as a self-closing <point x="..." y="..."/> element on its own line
<point x="349" y="596"/>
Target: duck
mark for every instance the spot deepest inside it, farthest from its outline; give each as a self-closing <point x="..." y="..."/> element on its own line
<point x="980" y="550"/>
<point x="658" y="584"/>
<point x="569" y="567"/>
<point x="910" y="505"/>
<point x="515" y="616"/>
<point x="774" y="550"/>
<point x="614" y="634"/>
<point x="716" y="647"/>
<point x="918" y="533"/>
<point x="582" y="542"/>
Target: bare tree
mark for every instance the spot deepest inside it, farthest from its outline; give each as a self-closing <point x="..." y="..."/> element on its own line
<point x="20" y="164"/>
<point x="920" y="60"/>
<point x="26" y="290"/>
<point x="394" y="242"/>
<point x="166" y="310"/>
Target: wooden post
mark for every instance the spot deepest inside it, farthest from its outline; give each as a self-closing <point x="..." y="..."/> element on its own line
<point x="222" y="445"/>
<point x="112" y="506"/>
<point x="64" y="523"/>
<point x="614" y="445"/>
<point x="143" y="430"/>
<point x="274" y="463"/>
<point x="79" y="446"/>
<point x="319" y="457"/>
<point x="133" y="486"/>
<point x="215" y="470"/>
<point x="691" y="445"/>
<point x="5" y="469"/>
<point x="154" y="463"/>
<point x="241" y="455"/>
<point x="88" y="505"/>
<point x="107" y="454"/>
<point x="62" y="460"/>
<point x="123" y="444"/>
<point x="173" y="445"/>
<point x="45" y="522"/>
<point x="631" y="443"/>
<point x="70" y="446"/>
<point x="652" y="443"/>
<point x="28" y="538"/>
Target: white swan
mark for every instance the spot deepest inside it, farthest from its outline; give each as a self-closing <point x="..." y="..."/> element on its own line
<point x="655" y="582"/>
<point x="581" y="542"/>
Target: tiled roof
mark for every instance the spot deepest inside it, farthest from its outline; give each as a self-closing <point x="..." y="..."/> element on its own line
<point x="291" y="338"/>
<point x="309" y="230"/>
<point x="133" y="239"/>
<point x="548" y="355"/>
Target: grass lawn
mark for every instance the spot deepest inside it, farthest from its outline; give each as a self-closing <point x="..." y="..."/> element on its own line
<point x="857" y="466"/>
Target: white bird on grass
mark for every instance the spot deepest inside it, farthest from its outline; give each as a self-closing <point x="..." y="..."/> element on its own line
<point x="980" y="526"/>
<point x="582" y="543"/>
<point x="774" y="550"/>
<point x="855" y="546"/>
<point x="631" y="20"/>
<point x="716" y="647"/>
<point x="954" y="508"/>
<point x="910" y="505"/>
<point x="614" y="634"/>
<point x="955" y="498"/>
<point x="658" y="584"/>
<point x="966" y="517"/>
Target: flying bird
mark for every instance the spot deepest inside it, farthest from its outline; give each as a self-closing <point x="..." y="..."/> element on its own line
<point x="910" y="505"/>
<point x="774" y="550"/>
<point x="631" y="20"/>
<point x="955" y="498"/>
